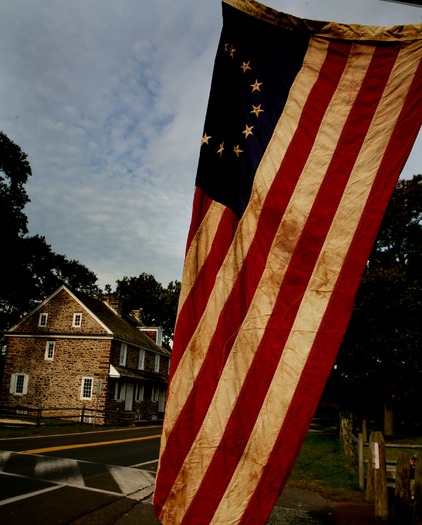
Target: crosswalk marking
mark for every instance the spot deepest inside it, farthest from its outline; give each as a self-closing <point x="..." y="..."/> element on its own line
<point x="28" y="494"/>
<point x="49" y="468"/>
<point x="111" y="479"/>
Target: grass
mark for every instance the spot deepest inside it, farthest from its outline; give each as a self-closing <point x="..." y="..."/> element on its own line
<point x="392" y="454"/>
<point x="322" y="467"/>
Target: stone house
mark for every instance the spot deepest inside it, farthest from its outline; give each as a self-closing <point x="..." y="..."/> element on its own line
<point x="73" y="350"/>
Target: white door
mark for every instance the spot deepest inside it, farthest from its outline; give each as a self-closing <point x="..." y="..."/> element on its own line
<point x="129" y="397"/>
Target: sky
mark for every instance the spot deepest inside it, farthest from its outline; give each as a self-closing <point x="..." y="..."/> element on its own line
<point x="108" y="100"/>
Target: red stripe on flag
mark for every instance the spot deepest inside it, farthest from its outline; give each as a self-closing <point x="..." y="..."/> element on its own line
<point x="191" y="416"/>
<point x="260" y="375"/>
<point x="197" y="299"/>
<point x="340" y="308"/>
<point x="201" y="204"/>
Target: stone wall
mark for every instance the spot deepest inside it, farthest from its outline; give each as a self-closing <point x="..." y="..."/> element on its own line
<point x="56" y="383"/>
<point x="60" y="310"/>
<point x="78" y="354"/>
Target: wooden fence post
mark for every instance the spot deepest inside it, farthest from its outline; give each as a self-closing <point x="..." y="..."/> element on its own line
<point x="417" y="502"/>
<point x="39" y="411"/>
<point x="361" y="463"/>
<point x="365" y="429"/>
<point x="370" y="491"/>
<point x="380" y="481"/>
<point x="402" y="502"/>
<point x="346" y="436"/>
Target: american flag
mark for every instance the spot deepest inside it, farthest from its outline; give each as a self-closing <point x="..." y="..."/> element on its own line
<point x="308" y="127"/>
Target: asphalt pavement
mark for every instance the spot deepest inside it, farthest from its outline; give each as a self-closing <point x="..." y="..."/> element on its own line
<point x="61" y="483"/>
<point x="58" y="504"/>
<point x="294" y="507"/>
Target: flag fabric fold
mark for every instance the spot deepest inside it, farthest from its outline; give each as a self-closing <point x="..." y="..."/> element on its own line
<point x="308" y="127"/>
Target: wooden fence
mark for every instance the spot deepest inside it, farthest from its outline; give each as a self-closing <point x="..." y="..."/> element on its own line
<point x="395" y="487"/>
<point x="31" y="416"/>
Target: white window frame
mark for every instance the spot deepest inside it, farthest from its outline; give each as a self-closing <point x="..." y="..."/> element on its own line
<point x="155" y="393"/>
<point x="139" y="392"/>
<point x="77" y="320"/>
<point x="19" y="384"/>
<point x="157" y="363"/>
<point x="50" y="348"/>
<point x="85" y="381"/>
<point x="120" y="391"/>
<point x="42" y="320"/>
<point x="141" y="360"/>
<point x="123" y="354"/>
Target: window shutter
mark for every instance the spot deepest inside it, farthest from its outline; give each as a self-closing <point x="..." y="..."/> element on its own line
<point x="12" y="384"/>
<point x="123" y="354"/>
<point x="25" y="384"/>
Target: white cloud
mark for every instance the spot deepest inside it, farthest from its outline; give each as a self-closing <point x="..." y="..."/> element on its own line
<point x="108" y="100"/>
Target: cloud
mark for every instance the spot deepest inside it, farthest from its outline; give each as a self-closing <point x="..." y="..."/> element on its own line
<point x="108" y="100"/>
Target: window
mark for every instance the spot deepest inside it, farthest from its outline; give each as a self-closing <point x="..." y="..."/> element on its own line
<point x="139" y="392"/>
<point x="141" y="362"/>
<point x="154" y="393"/>
<point x="49" y="350"/>
<point x="157" y="363"/>
<point x="19" y="384"/>
<point x="120" y="390"/>
<point x="86" y="389"/>
<point x="123" y="354"/>
<point x="42" y="321"/>
<point x="77" y="320"/>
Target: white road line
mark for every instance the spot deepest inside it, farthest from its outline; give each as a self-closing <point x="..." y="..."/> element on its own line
<point x="58" y="485"/>
<point x="145" y="463"/>
<point x="131" y="480"/>
<point x="27" y="495"/>
<point x="4" y="458"/>
<point x="66" y="472"/>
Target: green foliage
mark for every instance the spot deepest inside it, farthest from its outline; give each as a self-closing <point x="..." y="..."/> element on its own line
<point x="157" y="304"/>
<point x="30" y="269"/>
<point x="37" y="272"/>
<point x="170" y="301"/>
<point x="14" y="173"/>
<point x="381" y="356"/>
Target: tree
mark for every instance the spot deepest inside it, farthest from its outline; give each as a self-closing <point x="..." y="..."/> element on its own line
<point x="14" y="173"/>
<point x="157" y="304"/>
<point x="31" y="270"/>
<point x="141" y="293"/>
<point x="170" y="301"/>
<point x="379" y="366"/>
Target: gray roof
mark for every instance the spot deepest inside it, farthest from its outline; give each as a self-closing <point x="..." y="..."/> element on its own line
<point x="120" y="328"/>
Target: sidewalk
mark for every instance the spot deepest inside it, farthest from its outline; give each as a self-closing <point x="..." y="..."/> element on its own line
<point x="294" y="507"/>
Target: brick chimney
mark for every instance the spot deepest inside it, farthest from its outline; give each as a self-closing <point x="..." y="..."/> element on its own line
<point x="112" y="300"/>
<point x="136" y="314"/>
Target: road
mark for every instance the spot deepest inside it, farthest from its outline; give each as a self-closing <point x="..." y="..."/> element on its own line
<point x="99" y="478"/>
<point x="62" y="479"/>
